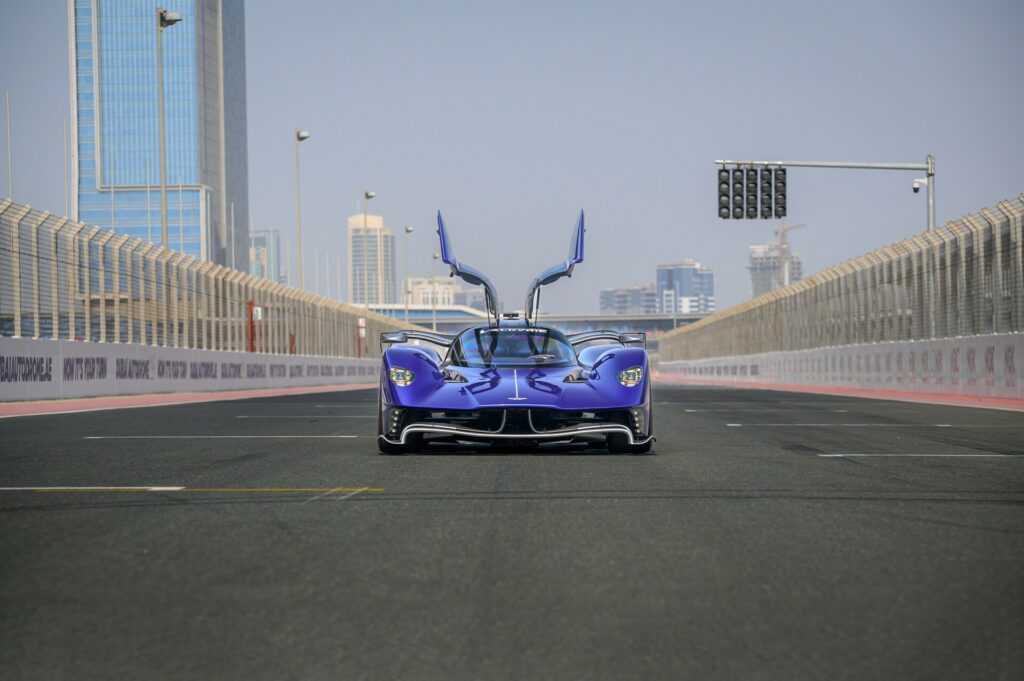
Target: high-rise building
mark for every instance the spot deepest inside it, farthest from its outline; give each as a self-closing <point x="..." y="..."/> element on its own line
<point x="686" y="288"/>
<point x="641" y="299"/>
<point x="766" y="271"/>
<point x="115" y="135"/>
<point x="371" y="261"/>
<point x="265" y="255"/>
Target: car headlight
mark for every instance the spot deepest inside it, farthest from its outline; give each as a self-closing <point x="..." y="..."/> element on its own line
<point x="631" y="377"/>
<point x="401" y="377"/>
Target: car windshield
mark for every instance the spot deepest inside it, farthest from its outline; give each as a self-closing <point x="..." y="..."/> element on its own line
<point x="512" y="347"/>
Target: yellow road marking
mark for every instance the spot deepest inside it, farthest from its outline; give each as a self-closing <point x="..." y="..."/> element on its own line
<point x="203" y="490"/>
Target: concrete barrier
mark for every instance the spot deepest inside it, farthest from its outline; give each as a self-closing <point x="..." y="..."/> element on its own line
<point x="976" y="366"/>
<point x="37" y="369"/>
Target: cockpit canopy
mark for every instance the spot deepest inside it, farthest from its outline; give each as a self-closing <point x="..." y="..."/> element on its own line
<point x="511" y="347"/>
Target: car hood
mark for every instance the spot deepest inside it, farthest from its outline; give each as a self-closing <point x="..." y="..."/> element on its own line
<point x="527" y="387"/>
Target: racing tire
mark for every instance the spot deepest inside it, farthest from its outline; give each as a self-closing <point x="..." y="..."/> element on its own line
<point x="619" y="444"/>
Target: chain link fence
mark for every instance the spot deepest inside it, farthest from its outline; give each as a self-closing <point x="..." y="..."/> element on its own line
<point x="62" y="279"/>
<point x="965" y="278"/>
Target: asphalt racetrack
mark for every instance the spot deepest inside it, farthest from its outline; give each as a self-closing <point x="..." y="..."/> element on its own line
<point x="768" y="536"/>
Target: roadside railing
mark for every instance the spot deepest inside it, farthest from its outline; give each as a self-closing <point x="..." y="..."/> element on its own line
<point x="63" y="279"/>
<point x="965" y="278"/>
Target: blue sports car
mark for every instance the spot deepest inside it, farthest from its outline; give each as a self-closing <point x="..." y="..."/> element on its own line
<point x="513" y="381"/>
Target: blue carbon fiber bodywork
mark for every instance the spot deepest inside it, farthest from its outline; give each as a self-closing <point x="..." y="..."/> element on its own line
<point x="526" y="387"/>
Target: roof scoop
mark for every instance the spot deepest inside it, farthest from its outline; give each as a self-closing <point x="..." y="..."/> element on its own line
<point x="556" y="272"/>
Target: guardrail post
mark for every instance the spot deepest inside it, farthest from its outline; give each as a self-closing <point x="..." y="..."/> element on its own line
<point x="34" y="255"/>
<point x="55" y="284"/>
<point x="1016" y="257"/>
<point x="16" y="266"/>
<point x="115" y="250"/>
<point x="71" y="246"/>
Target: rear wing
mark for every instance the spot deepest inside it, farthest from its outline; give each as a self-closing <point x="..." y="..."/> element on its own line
<point x="556" y="272"/>
<point x="633" y="338"/>
<point x="394" y="337"/>
<point x="465" y="272"/>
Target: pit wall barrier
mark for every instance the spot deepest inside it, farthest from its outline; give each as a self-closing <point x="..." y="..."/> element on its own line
<point x="977" y="366"/>
<point x="38" y="369"/>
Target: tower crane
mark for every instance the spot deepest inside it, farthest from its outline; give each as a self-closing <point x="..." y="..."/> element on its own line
<point x="783" y="233"/>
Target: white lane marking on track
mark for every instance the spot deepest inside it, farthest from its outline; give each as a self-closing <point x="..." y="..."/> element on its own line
<point x="876" y="425"/>
<point x="210" y="437"/>
<point x="91" y="489"/>
<point x="309" y="416"/>
<point x="337" y="489"/>
<point x="741" y="411"/>
<point x="734" y="425"/>
<point x="231" y="398"/>
<point x="912" y="456"/>
<point x="351" y="405"/>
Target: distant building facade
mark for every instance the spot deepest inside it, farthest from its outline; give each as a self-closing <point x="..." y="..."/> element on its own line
<point x="265" y="255"/>
<point x="443" y="290"/>
<point x="641" y="299"/>
<point x="115" y="129"/>
<point x="371" y="261"/>
<point x="686" y="287"/>
<point x="440" y="291"/>
<point x="766" y="273"/>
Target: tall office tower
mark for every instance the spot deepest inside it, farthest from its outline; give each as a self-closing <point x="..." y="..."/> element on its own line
<point x="265" y="255"/>
<point x="766" y="273"/>
<point x="116" y="141"/>
<point x="642" y="299"/>
<point x="686" y="288"/>
<point x="371" y="261"/>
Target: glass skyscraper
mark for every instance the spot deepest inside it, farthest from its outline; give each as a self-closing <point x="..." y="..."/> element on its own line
<point x="686" y="288"/>
<point x="116" y="181"/>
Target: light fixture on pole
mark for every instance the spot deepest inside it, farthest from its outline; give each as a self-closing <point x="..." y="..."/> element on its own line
<point x="163" y="20"/>
<point x="367" y="195"/>
<point x="300" y="136"/>
<point x="405" y="277"/>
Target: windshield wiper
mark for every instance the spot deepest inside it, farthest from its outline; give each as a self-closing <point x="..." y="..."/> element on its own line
<point x="543" y="356"/>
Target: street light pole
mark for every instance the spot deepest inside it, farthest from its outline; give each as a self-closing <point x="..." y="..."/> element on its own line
<point x="300" y="135"/>
<point x="405" y="277"/>
<point x="433" y="293"/>
<point x="163" y="20"/>
<point x="367" y="195"/>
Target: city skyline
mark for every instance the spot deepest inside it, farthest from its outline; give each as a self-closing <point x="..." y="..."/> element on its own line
<point x="630" y="134"/>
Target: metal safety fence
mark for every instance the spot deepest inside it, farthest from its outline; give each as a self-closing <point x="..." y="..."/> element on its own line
<point x="965" y="278"/>
<point x="62" y="279"/>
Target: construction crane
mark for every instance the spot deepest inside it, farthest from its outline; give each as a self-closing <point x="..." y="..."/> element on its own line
<point x="783" y="233"/>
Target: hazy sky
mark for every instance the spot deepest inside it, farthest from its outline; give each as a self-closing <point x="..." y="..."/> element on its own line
<point x="511" y="117"/>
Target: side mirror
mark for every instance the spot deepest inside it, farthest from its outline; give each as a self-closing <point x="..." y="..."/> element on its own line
<point x="393" y="338"/>
<point x="638" y="338"/>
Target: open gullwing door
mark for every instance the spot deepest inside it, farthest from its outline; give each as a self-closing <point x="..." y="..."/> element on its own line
<point x="465" y="272"/>
<point x="556" y="272"/>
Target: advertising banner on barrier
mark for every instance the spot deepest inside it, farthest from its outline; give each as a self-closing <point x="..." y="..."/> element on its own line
<point x="977" y="366"/>
<point x="38" y="369"/>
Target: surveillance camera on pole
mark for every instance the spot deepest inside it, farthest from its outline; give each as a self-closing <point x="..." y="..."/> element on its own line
<point x="920" y="182"/>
